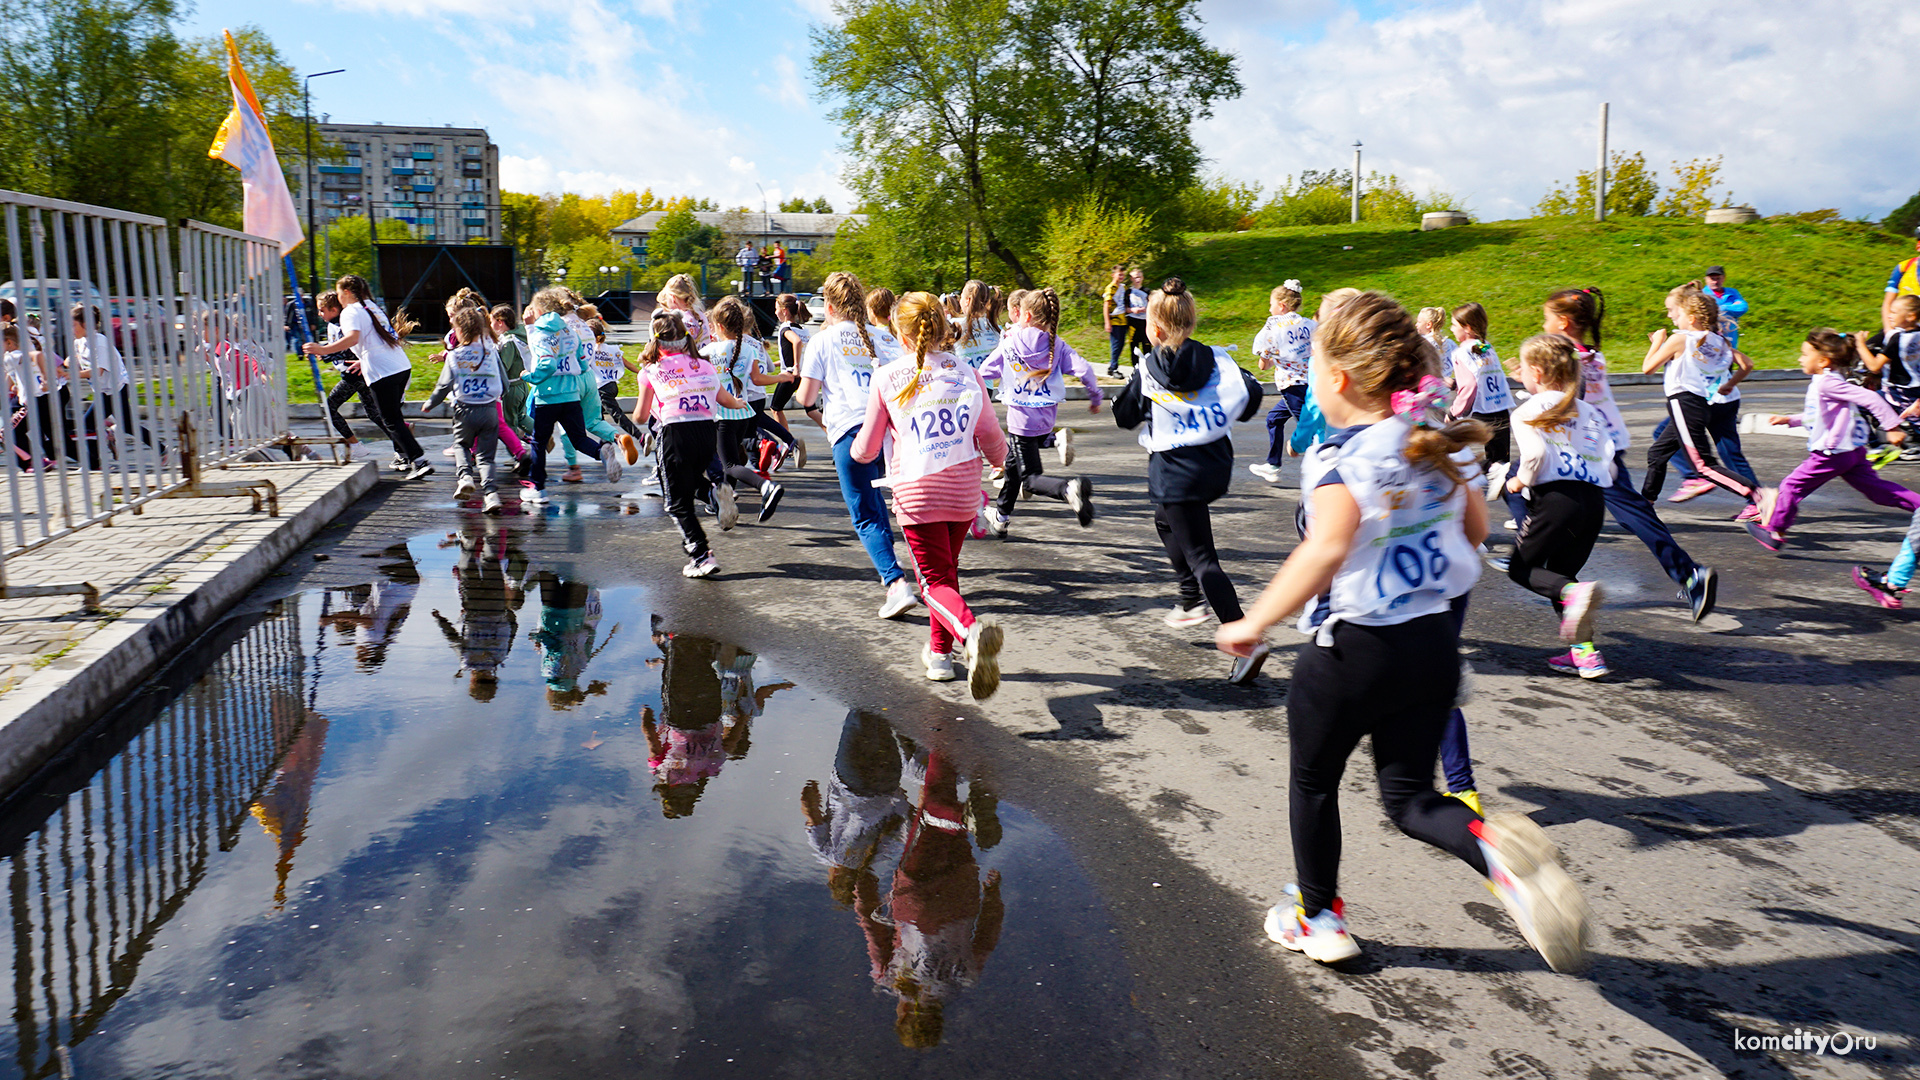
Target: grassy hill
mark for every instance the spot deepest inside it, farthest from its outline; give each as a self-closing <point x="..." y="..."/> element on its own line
<point x="1796" y="276"/>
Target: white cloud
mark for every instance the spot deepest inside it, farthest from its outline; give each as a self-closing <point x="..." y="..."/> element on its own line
<point x="1495" y="100"/>
<point x="787" y="87"/>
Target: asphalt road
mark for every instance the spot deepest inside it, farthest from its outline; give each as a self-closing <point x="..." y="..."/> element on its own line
<point x="1739" y="799"/>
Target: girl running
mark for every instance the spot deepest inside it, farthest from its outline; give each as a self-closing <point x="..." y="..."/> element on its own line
<point x="1836" y="438"/>
<point x="935" y="407"/>
<point x="740" y="359"/>
<point x="791" y="337"/>
<point x="610" y="365"/>
<point x="1391" y="530"/>
<point x="679" y="294"/>
<point x="350" y="384"/>
<point x="688" y="392"/>
<point x="1481" y="388"/>
<point x="1564" y="465"/>
<point x="376" y="341"/>
<point x="979" y="333"/>
<point x="1578" y="314"/>
<point x="1696" y="359"/>
<point x="880" y="315"/>
<point x="471" y="376"/>
<point x="1283" y="346"/>
<point x="1034" y="362"/>
<point x="837" y="371"/>
<point x="1428" y="322"/>
<point x="556" y="376"/>
<point x="1187" y="396"/>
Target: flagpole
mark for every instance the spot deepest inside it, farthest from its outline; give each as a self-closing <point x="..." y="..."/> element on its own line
<point x="306" y="332"/>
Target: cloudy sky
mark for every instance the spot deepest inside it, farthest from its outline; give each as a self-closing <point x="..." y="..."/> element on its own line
<point x="1490" y="100"/>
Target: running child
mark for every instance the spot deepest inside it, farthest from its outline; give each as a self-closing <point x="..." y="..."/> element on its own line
<point x="679" y="294"/>
<point x="99" y="362"/>
<point x="512" y="339"/>
<point x="1836" y="438"/>
<point x="1282" y="346"/>
<point x="1311" y="426"/>
<point x="1429" y="322"/>
<point x="348" y="384"/>
<point x="1481" y="388"/>
<point x="1565" y="464"/>
<point x="1895" y="357"/>
<point x="1384" y="661"/>
<point x="935" y="408"/>
<point x="610" y="365"/>
<point x="1187" y="396"/>
<point x="791" y="338"/>
<point x="472" y="378"/>
<point x="837" y="371"/>
<point x="1034" y="363"/>
<point x="880" y="315"/>
<point x="466" y="297"/>
<point x="1890" y="589"/>
<point x="739" y="358"/>
<point x="1578" y="314"/>
<point x="979" y="332"/>
<point x="1695" y="360"/>
<point x="674" y="376"/>
<point x="555" y="375"/>
<point x="375" y="341"/>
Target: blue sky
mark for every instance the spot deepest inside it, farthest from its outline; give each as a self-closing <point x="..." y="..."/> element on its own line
<point x="1490" y="100"/>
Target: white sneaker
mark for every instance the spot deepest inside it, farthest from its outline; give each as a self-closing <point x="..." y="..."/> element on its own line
<point x="1182" y="617"/>
<point x="997" y="522"/>
<point x="421" y="468"/>
<point x="899" y="599"/>
<point x="1080" y="499"/>
<point x="1496" y="479"/>
<point x="610" y="456"/>
<point x="1323" y="937"/>
<point x="704" y="566"/>
<point x="491" y="504"/>
<point x="1064" y="444"/>
<point x="729" y="506"/>
<point x="939" y="668"/>
<point x="984" y="639"/>
<point x="537" y="496"/>
<point x="1265" y="472"/>
<point x="1523" y="867"/>
<point x="464" y="487"/>
<point x="799" y="452"/>
<point x="451" y="451"/>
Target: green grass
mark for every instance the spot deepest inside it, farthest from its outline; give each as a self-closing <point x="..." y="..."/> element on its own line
<point x="1795" y="276"/>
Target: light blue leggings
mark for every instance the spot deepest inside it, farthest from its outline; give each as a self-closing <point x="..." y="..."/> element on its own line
<point x="1901" y="571"/>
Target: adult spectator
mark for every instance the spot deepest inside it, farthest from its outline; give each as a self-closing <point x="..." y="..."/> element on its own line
<point x="1904" y="281"/>
<point x="1732" y="304"/>
<point x="1113" y="311"/>
<point x="781" y="270"/>
<point x="1137" y="343"/>
<point x="746" y="259"/>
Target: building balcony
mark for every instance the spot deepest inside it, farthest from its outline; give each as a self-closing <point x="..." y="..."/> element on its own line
<point x="423" y="155"/>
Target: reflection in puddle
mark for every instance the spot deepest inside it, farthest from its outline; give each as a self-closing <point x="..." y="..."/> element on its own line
<point x="343" y="851"/>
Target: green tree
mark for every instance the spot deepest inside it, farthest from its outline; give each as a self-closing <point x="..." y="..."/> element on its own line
<point x="1631" y="189"/>
<point x="203" y="187"/>
<point x="1903" y="220"/>
<point x="1217" y="205"/>
<point x="799" y="204"/>
<point x="1082" y="243"/>
<point x="668" y="232"/>
<point x="348" y="244"/>
<point x="821" y="206"/>
<point x="1692" y="193"/>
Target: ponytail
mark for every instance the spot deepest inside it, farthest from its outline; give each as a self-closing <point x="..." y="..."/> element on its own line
<point x="1557" y="360"/>
<point x="392" y="332"/>
<point x="849" y="298"/>
<point x="919" y="317"/>
<point x="1583" y="309"/>
<point x="1373" y="339"/>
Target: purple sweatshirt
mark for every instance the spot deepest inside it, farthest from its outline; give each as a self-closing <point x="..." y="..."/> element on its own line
<point x="1829" y="417"/>
<point x="1033" y="402"/>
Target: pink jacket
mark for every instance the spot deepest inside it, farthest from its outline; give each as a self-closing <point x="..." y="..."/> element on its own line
<point x="953" y="493"/>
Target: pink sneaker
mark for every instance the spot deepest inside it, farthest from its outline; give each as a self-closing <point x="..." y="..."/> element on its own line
<point x="1748" y="512"/>
<point x="1577" y="602"/>
<point x="1877" y="587"/>
<point x="1583" y="660"/>
<point x="1765" y="537"/>
<point x="1690" y="489"/>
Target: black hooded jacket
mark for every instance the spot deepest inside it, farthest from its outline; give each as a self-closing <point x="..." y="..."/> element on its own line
<point x="1185" y="473"/>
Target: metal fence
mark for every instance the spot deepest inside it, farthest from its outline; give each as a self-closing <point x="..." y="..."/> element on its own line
<point x="137" y="355"/>
<point x="95" y="879"/>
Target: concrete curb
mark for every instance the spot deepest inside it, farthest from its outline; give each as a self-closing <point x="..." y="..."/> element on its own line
<point x="50" y="708"/>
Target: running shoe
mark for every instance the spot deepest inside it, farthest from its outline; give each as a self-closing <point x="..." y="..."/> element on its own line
<point x="1702" y="586"/>
<point x="1876" y="585"/>
<point x="1883" y="456"/>
<point x="770" y="496"/>
<point x="451" y="451"/>
<point x="1246" y="667"/>
<point x="464" y="487"/>
<point x="1765" y="537"/>
<point x="1583" y="660"/>
<point x="1064" y="445"/>
<point x="399" y="462"/>
<point x="1909" y="453"/>
<point x="1690" y="489"/>
<point x="573" y="475"/>
<point x="984" y="639"/>
<point x="1080" y="498"/>
<point x="899" y="599"/>
<point x="1182" y="616"/>
<point x="1748" y="512"/>
<point x="799" y="452"/>
<point x="631" y="447"/>
<point x="939" y="668"/>
<point x="727" y="506"/>
<point x="1500" y="563"/>
<point x="610" y="455"/>
<point x="491" y="504"/>
<point x="421" y="468"/>
<point x="701" y="566"/>
<point x="1323" y="937"/>
<point x="1269" y="473"/>
<point x="1524" y="869"/>
<point x="997" y="522"/>
<point x="536" y="495"/>
<point x="1470" y="797"/>
<point x="1510" y="525"/>
<point x="999" y="473"/>
<point x="1577" y="601"/>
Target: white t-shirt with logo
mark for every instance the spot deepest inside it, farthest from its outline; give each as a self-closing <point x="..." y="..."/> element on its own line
<point x="838" y="360"/>
<point x="1700" y="365"/>
<point x="1580" y="450"/>
<point x="378" y="360"/>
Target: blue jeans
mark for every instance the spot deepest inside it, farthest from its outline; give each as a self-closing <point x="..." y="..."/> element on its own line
<point x="867" y="507"/>
<point x="1116" y="347"/>
<point x="1289" y="404"/>
<point x="1635" y="514"/>
<point x="1723" y="424"/>
<point x="1455" y="760"/>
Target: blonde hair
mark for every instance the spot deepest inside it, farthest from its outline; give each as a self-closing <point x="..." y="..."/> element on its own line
<point x="1331" y="302"/>
<point x="1695" y="305"/>
<point x="849" y="298"/>
<point x="1288" y="299"/>
<point x="331" y="299"/>
<point x="1017" y="299"/>
<point x="680" y="287"/>
<point x="1430" y="316"/>
<point x="1906" y="305"/>
<point x="1557" y="359"/>
<point x="1373" y="339"/>
<point x="470" y="324"/>
<point x="880" y="306"/>
<point x="1171" y="308"/>
<point x="550" y="300"/>
<point x="1042" y="309"/>
<point x="976" y="304"/>
<point x="919" y="321"/>
<point x="666" y="325"/>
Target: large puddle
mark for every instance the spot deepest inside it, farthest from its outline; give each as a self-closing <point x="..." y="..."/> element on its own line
<point x="480" y="818"/>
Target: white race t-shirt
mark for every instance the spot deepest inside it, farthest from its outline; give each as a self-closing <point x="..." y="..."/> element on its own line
<point x="1700" y="366"/>
<point x="1596" y="391"/>
<point x="1579" y="450"/>
<point x="934" y="429"/>
<point x="378" y="359"/>
<point x="1491" y="392"/>
<point x="101" y="360"/>
<point x="839" y="361"/>
<point x="1286" y="342"/>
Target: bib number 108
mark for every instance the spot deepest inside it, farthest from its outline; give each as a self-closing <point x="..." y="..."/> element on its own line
<point x="1412" y="564"/>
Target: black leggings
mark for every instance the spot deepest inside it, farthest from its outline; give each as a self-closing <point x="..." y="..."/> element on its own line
<point x="390" y="394"/>
<point x="1397" y="684"/>
<point x="1187" y="531"/>
<point x="774" y="428"/>
<point x="344" y="391"/>
<point x="1024" y="467"/>
<point x="686" y="448"/>
<point x="1500" y="443"/>
<point x="1563" y="521"/>
<point x="731" y="464"/>
<point x="1688" y="431"/>
<point x="571" y="419"/>
<point x="610" y="406"/>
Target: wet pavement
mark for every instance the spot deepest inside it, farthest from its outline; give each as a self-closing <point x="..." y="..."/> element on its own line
<point x="691" y="827"/>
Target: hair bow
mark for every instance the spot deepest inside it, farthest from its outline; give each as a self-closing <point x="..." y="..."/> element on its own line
<point x="678" y="344"/>
<point x="1415" y="403"/>
<point x="1292" y="285"/>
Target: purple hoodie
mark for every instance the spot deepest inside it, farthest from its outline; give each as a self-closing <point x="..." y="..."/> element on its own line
<point x="1033" y="403"/>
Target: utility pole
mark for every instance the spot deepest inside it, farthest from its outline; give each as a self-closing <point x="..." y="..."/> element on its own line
<point x="306" y="107"/>
<point x="1356" y="181"/>
<point x="1600" y="171"/>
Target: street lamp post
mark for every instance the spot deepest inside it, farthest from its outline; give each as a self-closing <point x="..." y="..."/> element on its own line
<point x="306" y="107"/>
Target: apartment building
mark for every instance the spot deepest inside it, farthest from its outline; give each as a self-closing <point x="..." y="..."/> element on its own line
<point x="444" y="182"/>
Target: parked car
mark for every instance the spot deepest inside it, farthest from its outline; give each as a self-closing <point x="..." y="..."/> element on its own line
<point x="816" y="309"/>
<point x="46" y="296"/>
